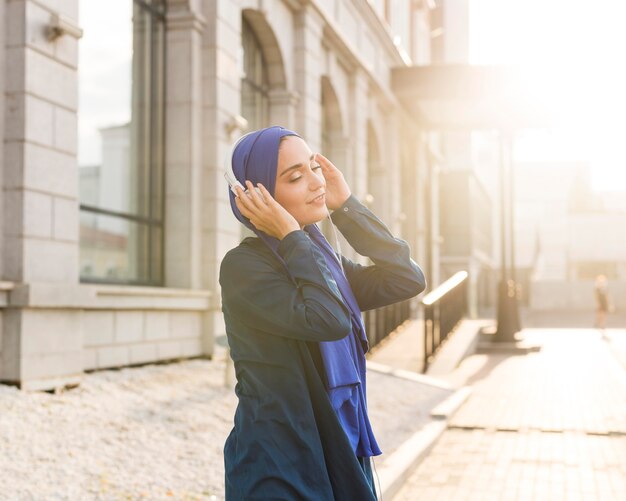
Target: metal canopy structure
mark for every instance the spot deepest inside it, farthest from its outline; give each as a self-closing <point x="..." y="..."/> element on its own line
<point x="465" y="97"/>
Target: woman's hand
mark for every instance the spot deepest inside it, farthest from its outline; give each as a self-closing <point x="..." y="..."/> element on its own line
<point x="265" y="213"/>
<point x="337" y="190"/>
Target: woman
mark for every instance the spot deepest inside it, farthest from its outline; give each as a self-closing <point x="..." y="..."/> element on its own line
<point x="602" y="301"/>
<point x="292" y="311"/>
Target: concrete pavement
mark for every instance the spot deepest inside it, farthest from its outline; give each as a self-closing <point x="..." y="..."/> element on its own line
<point x="542" y="426"/>
<point x="616" y="341"/>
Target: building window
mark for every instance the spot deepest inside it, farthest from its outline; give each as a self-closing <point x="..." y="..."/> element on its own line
<point x="121" y="138"/>
<point x="254" y="80"/>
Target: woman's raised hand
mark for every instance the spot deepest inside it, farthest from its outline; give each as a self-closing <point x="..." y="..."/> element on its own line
<point x="265" y="213"/>
<point x="337" y="190"/>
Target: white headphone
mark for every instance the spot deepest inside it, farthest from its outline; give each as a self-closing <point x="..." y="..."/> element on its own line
<point x="229" y="174"/>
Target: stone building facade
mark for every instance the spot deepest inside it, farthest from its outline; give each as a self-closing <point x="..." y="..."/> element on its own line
<point x="114" y="260"/>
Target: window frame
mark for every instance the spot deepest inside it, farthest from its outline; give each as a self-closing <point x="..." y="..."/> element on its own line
<point x="155" y="223"/>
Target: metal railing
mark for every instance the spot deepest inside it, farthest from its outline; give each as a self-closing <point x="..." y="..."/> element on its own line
<point x="444" y="308"/>
<point x="381" y="322"/>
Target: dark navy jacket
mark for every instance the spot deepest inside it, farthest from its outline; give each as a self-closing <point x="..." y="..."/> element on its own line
<point x="287" y="443"/>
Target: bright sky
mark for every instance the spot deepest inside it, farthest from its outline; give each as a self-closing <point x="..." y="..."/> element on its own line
<point x="105" y="53"/>
<point x="578" y="50"/>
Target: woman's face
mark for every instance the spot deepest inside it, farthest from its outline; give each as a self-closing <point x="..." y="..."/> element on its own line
<point x="300" y="185"/>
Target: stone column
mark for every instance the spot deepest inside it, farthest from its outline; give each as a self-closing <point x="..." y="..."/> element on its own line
<point x="221" y="103"/>
<point x="41" y="347"/>
<point x="392" y="165"/>
<point x="420" y="206"/>
<point x="358" y="131"/>
<point x="339" y="153"/>
<point x="433" y="239"/>
<point x="472" y="289"/>
<point x="378" y="174"/>
<point x="183" y="162"/>
<point x="283" y="108"/>
<point x="308" y="68"/>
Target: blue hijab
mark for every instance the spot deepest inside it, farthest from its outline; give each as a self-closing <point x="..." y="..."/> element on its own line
<point x="256" y="159"/>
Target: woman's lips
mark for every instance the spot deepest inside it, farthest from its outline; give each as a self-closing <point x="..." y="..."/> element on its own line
<point x="319" y="199"/>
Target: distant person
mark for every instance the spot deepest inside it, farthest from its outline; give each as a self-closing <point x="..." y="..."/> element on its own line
<point x="602" y="301"/>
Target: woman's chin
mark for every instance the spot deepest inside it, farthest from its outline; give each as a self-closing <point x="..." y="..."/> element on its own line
<point x="314" y="218"/>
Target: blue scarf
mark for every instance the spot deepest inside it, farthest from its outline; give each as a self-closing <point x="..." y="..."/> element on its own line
<point x="256" y="159"/>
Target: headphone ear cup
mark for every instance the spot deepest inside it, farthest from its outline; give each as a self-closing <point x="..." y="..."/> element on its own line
<point x="229" y="174"/>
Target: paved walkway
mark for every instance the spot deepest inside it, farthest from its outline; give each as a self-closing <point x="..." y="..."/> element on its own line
<point x="403" y="348"/>
<point x="616" y="339"/>
<point x="548" y="425"/>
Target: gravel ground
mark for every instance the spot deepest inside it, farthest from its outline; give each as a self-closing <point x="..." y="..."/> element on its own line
<point x="153" y="432"/>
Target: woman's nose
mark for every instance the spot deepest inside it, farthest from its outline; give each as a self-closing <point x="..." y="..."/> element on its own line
<point x="317" y="181"/>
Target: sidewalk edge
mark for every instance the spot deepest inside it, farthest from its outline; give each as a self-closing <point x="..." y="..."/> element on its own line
<point x="399" y="466"/>
<point x="447" y="408"/>
<point x="413" y="376"/>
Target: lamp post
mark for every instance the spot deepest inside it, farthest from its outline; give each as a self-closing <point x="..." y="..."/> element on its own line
<point x="508" y="308"/>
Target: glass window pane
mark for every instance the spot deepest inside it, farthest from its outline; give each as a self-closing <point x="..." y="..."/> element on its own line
<point x="121" y="138"/>
<point x="118" y="250"/>
<point x="104" y="113"/>
<point x="255" y="82"/>
<point x="120" y="105"/>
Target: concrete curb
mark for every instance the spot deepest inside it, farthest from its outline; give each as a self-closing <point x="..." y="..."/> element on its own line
<point x="399" y="465"/>
<point x="413" y="376"/>
<point x="461" y="343"/>
<point x="518" y="348"/>
<point x="447" y="408"/>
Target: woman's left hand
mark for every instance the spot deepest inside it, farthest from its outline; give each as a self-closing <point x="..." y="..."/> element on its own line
<point x="337" y="190"/>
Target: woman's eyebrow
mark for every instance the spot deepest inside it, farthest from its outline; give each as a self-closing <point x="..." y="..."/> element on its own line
<point x="295" y="166"/>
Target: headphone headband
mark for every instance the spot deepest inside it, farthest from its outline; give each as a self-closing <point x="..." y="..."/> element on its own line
<point x="229" y="174"/>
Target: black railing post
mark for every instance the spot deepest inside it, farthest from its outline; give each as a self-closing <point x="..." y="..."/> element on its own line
<point x="381" y="322"/>
<point x="428" y="329"/>
<point x="443" y="310"/>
